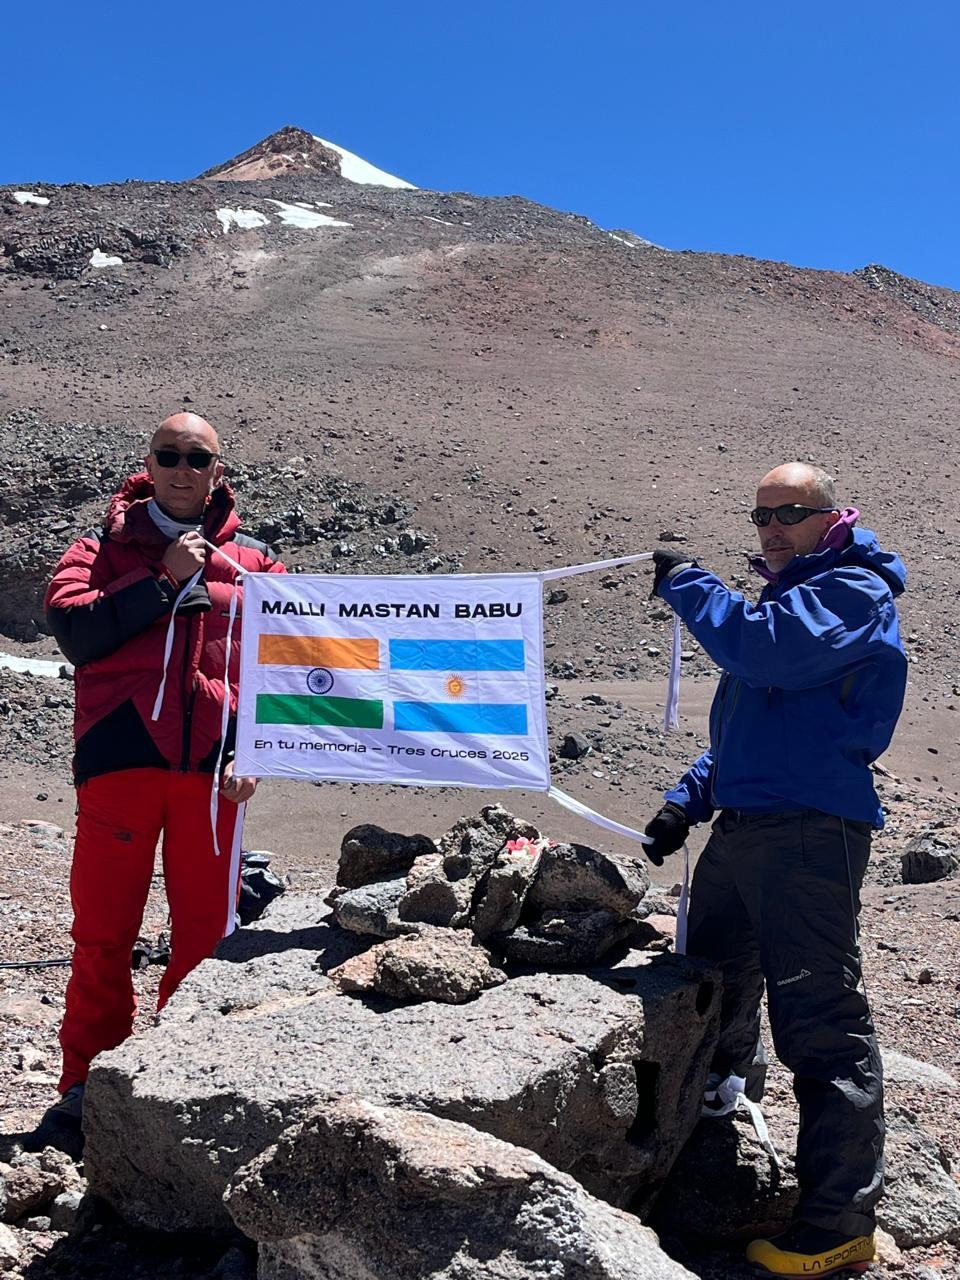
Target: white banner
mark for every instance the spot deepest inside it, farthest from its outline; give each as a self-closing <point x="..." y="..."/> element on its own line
<point x="413" y="679"/>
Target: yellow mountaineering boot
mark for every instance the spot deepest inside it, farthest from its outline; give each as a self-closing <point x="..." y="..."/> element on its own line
<point x="807" y="1251"/>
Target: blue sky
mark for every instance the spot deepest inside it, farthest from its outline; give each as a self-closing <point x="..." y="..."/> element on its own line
<point x="823" y="134"/>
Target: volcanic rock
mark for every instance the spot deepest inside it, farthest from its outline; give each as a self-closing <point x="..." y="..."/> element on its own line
<point x="578" y="877"/>
<point x="359" y="1191"/>
<point x="32" y="1181"/>
<point x="539" y="903"/>
<point x="65" y="1210"/>
<point x="288" y="151"/>
<point x="369" y="853"/>
<point x="601" y="1074"/>
<point x="902" y="1068"/>
<point x="579" y="906"/>
<point x="929" y="857"/>
<point x="446" y="965"/>
<point x="921" y="1200"/>
<point x="10" y="1248"/>
<point x="372" y="908"/>
<point x="725" y="1186"/>
<point x="571" y="940"/>
<point x="441" y="885"/>
<point x="574" y="747"/>
<point x="502" y="890"/>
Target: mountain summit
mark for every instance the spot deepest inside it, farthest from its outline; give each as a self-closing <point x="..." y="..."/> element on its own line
<point x="294" y="151"/>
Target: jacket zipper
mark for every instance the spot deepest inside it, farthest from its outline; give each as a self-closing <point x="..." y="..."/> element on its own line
<point x="188" y="707"/>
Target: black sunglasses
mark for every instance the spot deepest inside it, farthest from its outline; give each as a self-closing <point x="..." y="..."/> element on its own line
<point x="789" y="513"/>
<point x="197" y="459"/>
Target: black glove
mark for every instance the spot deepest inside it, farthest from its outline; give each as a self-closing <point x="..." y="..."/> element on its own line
<point x="197" y="600"/>
<point x="664" y="562"/>
<point x="669" y="830"/>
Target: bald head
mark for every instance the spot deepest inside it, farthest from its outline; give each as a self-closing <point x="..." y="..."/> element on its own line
<point x="183" y="426"/>
<point x="187" y="440"/>
<point x="795" y="484"/>
<point x="800" y="477"/>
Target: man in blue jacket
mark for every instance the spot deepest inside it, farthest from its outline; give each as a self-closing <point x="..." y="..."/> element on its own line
<point x="813" y="683"/>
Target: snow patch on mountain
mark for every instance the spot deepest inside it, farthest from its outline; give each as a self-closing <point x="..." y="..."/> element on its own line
<point x="632" y="240"/>
<point x="30" y="197"/>
<point x="302" y="216"/>
<point x="244" y="218"/>
<point x="356" y="169"/>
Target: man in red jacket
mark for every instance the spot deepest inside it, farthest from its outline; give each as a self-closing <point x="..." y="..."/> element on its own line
<point x="142" y="609"/>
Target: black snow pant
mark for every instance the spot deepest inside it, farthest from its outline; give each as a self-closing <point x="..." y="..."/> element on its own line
<point x="775" y="898"/>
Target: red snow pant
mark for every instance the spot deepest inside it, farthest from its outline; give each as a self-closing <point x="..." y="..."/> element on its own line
<point x="119" y="821"/>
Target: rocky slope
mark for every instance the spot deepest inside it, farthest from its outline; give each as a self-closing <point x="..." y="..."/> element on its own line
<point x="417" y="381"/>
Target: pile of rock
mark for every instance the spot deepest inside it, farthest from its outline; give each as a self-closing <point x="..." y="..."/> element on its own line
<point x="492" y="890"/>
<point x="38" y="1192"/>
<point x="512" y="1075"/>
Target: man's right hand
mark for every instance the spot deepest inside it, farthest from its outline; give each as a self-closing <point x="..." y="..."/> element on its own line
<point x="184" y="557"/>
<point x="669" y="829"/>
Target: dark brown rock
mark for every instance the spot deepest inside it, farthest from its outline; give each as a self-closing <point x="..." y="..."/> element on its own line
<point x="445" y="965"/>
<point x="369" y="853"/>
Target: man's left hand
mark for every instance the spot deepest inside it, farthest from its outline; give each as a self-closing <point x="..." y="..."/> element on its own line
<point x="664" y="563"/>
<point x="236" y="789"/>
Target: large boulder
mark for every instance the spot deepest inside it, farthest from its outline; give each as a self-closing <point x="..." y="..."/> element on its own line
<point x="363" y="1192"/>
<point x="601" y="1074"/>
<point x="921" y="1200"/>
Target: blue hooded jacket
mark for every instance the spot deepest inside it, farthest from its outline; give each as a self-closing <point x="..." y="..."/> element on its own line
<point x="813" y="684"/>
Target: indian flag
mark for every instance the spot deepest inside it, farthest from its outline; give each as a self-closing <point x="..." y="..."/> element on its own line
<point x="471" y="687"/>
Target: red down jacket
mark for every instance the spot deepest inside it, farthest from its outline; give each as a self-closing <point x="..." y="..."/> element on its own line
<point x="109" y="607"/>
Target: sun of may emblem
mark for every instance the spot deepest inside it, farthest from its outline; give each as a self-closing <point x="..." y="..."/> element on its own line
<point x="455" y="686"/>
